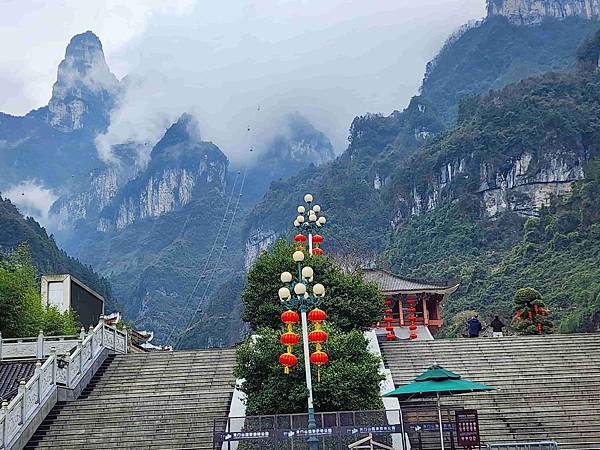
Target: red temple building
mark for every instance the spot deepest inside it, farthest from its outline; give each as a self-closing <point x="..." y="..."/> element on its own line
<point x="401" y="293"/>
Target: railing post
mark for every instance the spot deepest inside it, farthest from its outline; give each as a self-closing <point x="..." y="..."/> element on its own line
<point x="40" y="345"/>
<point x="80" y="347"/>
<point x="22" y="392"/>
<point x="38" y="371"/>
<point x="82" y="334"/>
<point x="4" y="410"/>
<point x="54" y="364"/>
<point x="114" y="338"/>
<point x="91" y="333"/>
<point x="68" y="376"/>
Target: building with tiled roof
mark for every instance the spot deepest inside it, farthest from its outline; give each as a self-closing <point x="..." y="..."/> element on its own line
<point x="427" y="297"/>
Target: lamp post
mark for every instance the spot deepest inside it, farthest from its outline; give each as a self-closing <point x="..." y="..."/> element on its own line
<point x="296" y="294"/>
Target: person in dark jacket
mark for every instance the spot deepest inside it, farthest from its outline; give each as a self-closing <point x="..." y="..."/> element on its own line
<point x="474" y="326"/>
<point x="497" y="326"/>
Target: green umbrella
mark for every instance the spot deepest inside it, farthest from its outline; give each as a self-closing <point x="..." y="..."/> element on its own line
<point x="434" y="382"/>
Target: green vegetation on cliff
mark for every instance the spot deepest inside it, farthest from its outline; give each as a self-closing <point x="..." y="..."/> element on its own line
<point x="557" y="253"/>
<point x="46" y="256"/>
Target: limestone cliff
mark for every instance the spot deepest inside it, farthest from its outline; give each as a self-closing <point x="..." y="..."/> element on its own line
<point x="180" y="165"/>
<point x="528" y="12"/>
<point x="85" y="88"/>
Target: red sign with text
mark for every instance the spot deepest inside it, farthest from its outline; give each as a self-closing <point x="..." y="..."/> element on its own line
<point x="467" y="428"/>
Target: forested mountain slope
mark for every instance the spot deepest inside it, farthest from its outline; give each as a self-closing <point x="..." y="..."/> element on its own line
<point x="47" y="257"/>
<point x="471" y="203"/>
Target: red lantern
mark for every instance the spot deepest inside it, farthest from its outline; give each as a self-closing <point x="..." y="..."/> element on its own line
<point x="388" y="310"/>
<point x="319" y="358"/>
<point x="317" y="251"/>
<point x="288" y="360"/>
<point x="518" y="314"/>
<point x="317" y="238"/>
<point x="543" y="312"/>
<point x="289" y="317"/>
<point x="412" y="318"/>
<point x="412" y="310"/>
<point x="387" y="302"/>
<point x="539" y="327"/>
<point x="289" y="338"/>
<point x="390" y="336"/>
<point x="388" y="319"/>
<point x="413" y="336"/>
<point x="411" y="301"/>
<point x="530" y="315"/>
<point x="536" y="308"/>
<point x="317" y="315"/>
<point x="412" y="327"/>
<point x="300" y="238"/>
<point x="389" y="328"/>
<point x="317" y="336"/>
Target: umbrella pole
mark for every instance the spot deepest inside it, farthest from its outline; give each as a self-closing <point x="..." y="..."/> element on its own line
<point x="440" y="419"/>
<point x="402" y="426"/>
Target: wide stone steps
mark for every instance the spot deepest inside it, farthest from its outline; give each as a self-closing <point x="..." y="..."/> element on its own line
<point x="548" y="387"/>
<point x="151" y="400"/>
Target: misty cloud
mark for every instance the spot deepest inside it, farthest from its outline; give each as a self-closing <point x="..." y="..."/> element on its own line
<point x="32" y="199"/>
<point x="329" y="60"/>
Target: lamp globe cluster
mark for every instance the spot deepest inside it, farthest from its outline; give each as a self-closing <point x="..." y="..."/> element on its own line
<point x="309" y="220"/>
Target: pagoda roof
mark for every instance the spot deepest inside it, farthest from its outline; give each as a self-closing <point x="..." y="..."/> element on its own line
<point x="391" y="284"/>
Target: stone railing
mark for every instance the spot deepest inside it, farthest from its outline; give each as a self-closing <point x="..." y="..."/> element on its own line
<point x="38" y="347"/>
<point x="57" y="371"/>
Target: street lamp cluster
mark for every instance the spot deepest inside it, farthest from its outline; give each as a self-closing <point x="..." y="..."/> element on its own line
<point x="299" y="292"/>
<point x="310" y="224"/>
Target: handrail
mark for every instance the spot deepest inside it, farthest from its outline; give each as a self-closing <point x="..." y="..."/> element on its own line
<point x="66" y="371"/>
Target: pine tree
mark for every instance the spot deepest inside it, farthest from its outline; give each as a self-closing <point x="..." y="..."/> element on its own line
<point x="531" y="315"/>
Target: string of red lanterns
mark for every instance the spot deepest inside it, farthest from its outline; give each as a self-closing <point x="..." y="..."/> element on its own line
<point x="318" y="337"/>
<point x="389" y="319"/>
<point x="289" y="339"/>
<point x="317" y="240"/>
<point x="412" y="318"/>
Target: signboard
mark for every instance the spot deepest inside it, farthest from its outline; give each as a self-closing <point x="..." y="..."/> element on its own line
<point x="382" y="429"/>
<point x="467" y="428"/>
<point x="434" y="426"/>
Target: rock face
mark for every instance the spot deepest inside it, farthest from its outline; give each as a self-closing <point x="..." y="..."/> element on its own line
<point x="528" y="12"/>
<point x="180" y="164"/>
<point x="523" y="185"/>
<point x="84" y="84"/>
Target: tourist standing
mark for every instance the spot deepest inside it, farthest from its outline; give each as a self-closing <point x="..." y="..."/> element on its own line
<point x="497" y="327"/>
<point x="474" y="326"/>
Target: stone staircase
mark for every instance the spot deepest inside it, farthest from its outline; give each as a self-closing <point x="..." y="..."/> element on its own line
<point x="164" y="400"/>
<point x="548" y="387"/>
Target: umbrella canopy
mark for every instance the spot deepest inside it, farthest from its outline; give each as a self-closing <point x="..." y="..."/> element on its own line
<point x="437" y="380"/>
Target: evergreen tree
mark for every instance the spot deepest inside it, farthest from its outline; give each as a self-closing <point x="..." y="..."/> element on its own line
<point x="531" y="315"/>
<point x="21" y="311"/>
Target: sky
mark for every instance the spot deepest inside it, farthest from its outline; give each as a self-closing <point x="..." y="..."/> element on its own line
<point x="234" y="63"/>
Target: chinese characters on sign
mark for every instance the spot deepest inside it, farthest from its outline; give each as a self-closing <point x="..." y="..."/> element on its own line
<point x="467" y="428"/>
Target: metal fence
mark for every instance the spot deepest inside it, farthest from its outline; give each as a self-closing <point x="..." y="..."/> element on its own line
<point x="336" y="430"/>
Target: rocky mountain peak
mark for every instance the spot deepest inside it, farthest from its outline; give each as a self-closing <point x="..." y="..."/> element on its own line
<point x="185" y="131"/>
<point x="528" y="12"/>
<point x="85" y="88"/>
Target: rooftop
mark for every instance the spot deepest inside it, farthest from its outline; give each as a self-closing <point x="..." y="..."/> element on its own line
<point x="390" y="283"/>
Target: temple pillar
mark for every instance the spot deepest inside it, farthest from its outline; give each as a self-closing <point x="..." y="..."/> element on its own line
<point x="425" y="311"/>
<point x="400" y="310"/>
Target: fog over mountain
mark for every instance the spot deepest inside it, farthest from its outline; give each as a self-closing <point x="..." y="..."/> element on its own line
<point x="328" y="60"/>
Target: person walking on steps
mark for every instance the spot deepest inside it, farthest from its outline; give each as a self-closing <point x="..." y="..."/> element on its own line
<point x="474" y="326"/>
<point x="497" y="326"/>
